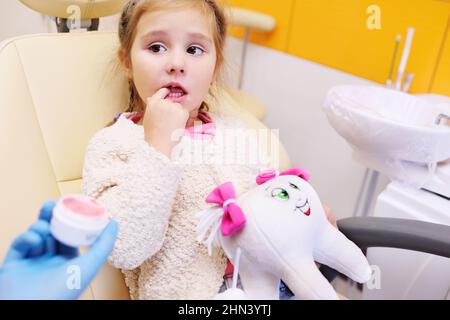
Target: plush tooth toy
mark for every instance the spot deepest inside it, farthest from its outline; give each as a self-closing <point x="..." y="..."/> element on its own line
<point x="278" y="230"/>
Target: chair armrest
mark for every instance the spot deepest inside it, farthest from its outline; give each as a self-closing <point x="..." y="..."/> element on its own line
<point x="414" y="235"/>
<point x="398" y="233"/>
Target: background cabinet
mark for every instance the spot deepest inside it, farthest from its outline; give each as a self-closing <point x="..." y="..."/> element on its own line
<point x="334" y="33"/>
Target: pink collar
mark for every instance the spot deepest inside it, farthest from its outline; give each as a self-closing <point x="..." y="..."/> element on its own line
<point x="207" y="130"/>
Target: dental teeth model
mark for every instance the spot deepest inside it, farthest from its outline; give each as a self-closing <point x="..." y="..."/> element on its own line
<point x="78" y="220"/>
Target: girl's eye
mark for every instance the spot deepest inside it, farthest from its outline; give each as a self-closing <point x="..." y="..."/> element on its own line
<point x="280" y="193"/>
<point x="156" y="48"/>
<point x="195" y="50"/>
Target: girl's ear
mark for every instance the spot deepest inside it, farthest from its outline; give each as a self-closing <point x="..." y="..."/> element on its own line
<point x="126" y="63"/>
<point x="129" y="74"/>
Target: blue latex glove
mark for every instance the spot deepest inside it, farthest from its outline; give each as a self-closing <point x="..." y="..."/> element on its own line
<point x="38" y="266"/>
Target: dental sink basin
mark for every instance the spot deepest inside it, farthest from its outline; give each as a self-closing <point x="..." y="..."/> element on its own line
<point x="390" y="126"/>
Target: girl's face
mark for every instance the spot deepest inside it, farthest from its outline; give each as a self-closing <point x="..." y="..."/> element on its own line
<point x="174" y="48"/>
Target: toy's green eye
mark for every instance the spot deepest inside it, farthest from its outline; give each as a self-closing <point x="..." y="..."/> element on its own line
<point x="280" y="193"/>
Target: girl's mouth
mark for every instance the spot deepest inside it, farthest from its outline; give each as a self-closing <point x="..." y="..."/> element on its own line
<point x="176" y="94"/>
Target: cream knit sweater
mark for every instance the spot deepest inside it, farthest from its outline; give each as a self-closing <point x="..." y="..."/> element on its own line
<point x="154" y="200"/>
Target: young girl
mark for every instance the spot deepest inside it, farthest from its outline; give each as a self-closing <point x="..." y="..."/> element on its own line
<point x="172" y="52"/>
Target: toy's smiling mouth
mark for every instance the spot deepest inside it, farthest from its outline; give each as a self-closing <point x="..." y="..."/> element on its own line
<point x="305" y="208"/>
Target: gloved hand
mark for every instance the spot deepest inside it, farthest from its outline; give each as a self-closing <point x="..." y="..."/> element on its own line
<point x="37" y="266"/>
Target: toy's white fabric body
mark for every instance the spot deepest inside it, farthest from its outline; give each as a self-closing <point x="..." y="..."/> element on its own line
<point x="286" y="231"/>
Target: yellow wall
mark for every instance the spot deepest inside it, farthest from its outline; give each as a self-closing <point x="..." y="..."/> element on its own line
<point x="335" y="33"/>
<point x="441" y="83"/>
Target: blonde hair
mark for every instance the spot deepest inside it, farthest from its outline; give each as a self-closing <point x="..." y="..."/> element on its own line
<point x="133" y="11"/>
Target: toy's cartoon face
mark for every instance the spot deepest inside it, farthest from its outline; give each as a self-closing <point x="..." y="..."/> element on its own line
<point x="289" y="191"/>
<point x="285" y="197"/>
<point x="285" y="209"/>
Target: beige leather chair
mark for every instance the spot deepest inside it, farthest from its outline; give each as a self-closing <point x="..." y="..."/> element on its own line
<point x="56" y="91"/>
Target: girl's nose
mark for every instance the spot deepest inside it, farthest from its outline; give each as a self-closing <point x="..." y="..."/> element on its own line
<point x="176" y="64"/>
<point x="176" y="70"/>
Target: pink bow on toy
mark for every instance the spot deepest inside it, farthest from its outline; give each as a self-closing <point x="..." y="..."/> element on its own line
<point x="272" y="174"/>
<point x="233" y="218"/>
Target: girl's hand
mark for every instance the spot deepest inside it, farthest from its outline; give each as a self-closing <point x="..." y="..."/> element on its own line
<point x="329" y="215"/>
<point x="161" y="121"/>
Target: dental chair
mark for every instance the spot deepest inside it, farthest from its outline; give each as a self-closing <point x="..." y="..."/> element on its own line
<point x="85" y="12"/>
<point x="57" y="90"/>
